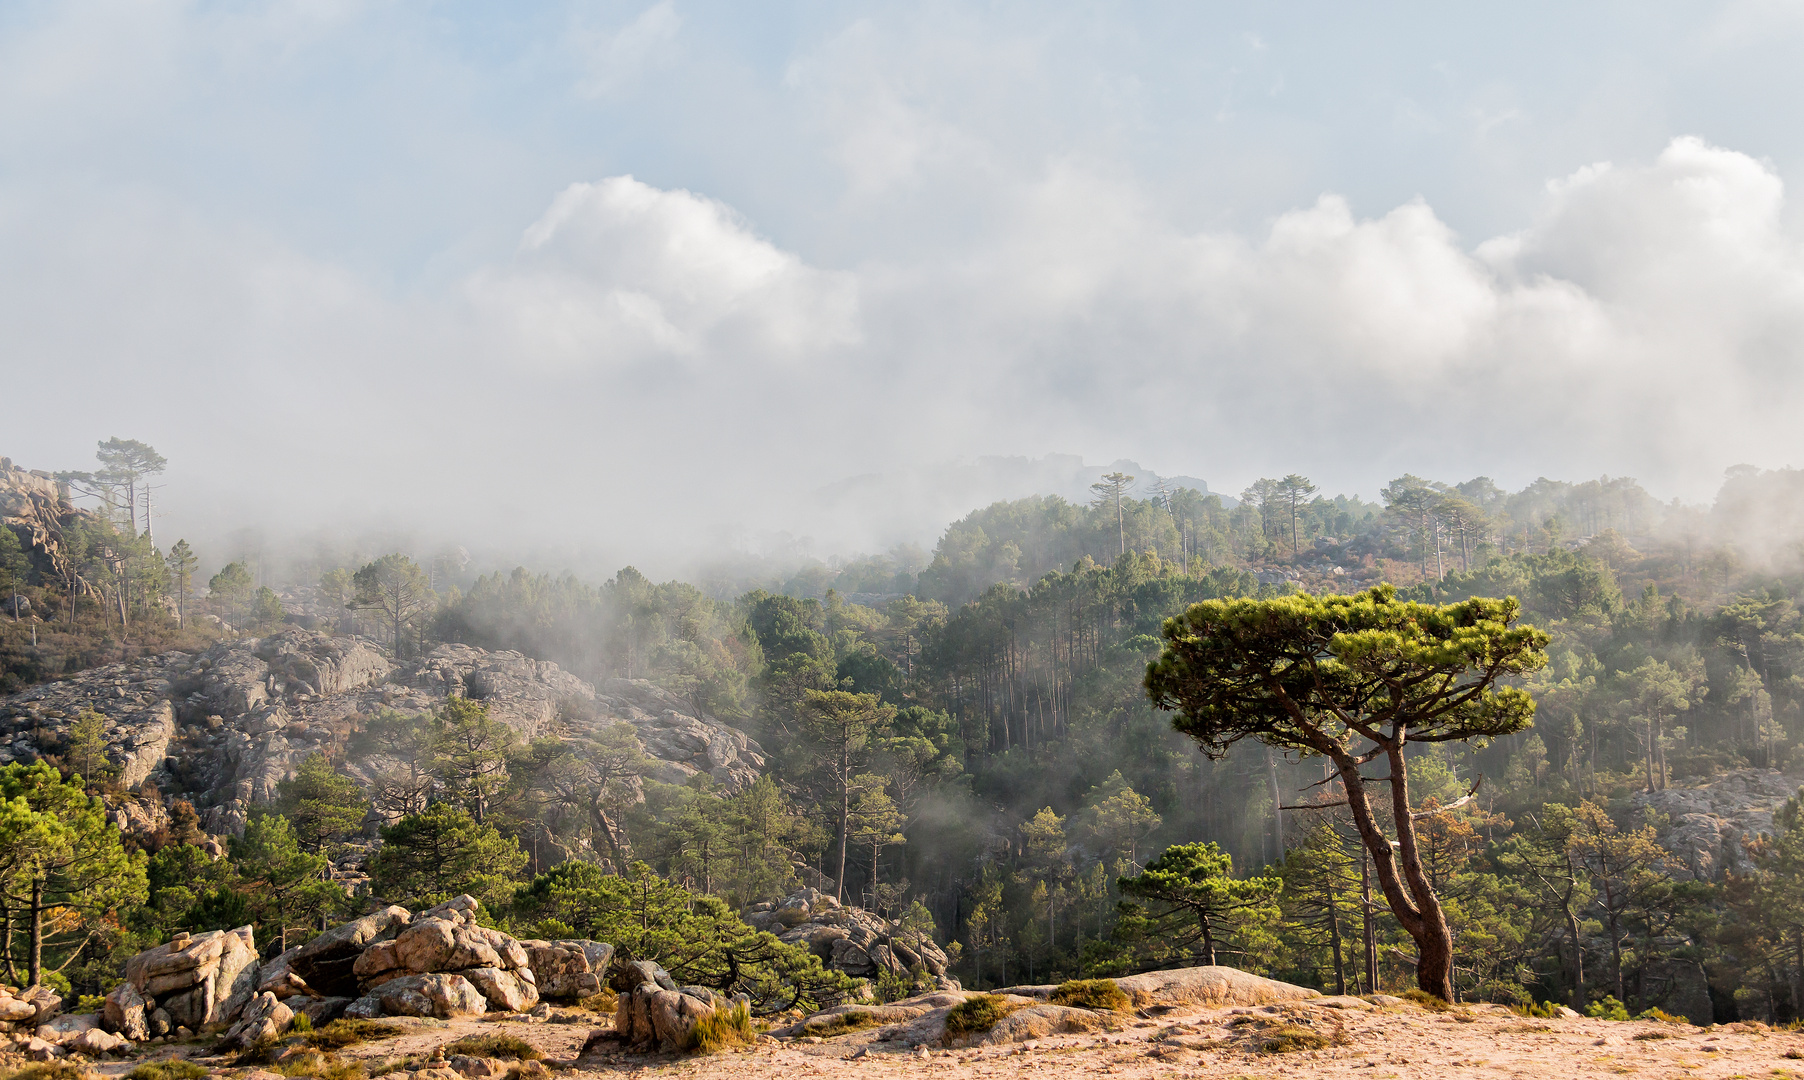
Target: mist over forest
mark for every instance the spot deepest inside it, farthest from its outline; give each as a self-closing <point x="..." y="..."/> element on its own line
<point x="1010" y="777"/>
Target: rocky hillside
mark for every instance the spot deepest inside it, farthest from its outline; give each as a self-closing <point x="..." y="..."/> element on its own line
<point x="222" y="728"/>
<point x="1706" y="827"/>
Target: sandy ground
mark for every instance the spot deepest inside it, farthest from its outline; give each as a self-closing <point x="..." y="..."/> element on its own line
<point x="1400" y="1043"/>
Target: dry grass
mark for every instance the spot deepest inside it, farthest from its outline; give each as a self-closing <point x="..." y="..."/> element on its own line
<point x="973" y="1016"/>
<point x="1419" y="996"/>
<point x="841" y="1023"/>
<point x="509" y="1047"/>
<point x="1290" y="1038"/>
<point x="603" y="1001"/>
<point x="173" y="1069"/>
<point x="1102" y="995"/>
<point x="49" y="1070"/>
<point x="723" y="1029"/>
<point x="342" y="1033"/>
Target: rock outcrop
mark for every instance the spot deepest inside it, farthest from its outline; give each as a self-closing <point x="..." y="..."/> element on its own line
<point x="197" y="981"/>
<point x="848" y="939"/>
<point x="568" y="970"/>
<point x="440" y="963"/>
<point x="1706" y="827"/>
<point x="652" y="1013"/>
<point x="225" y="727"/>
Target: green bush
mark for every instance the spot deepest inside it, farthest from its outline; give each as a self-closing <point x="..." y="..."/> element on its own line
<point x="976" y="1015"/>
<point x="1102" y="995"/>
<point x="302" y="1024"/>
<point x="495" y="1046"/>
<point x="173" y="1069"/>
<point x="1547" y="1010"/>
<point x="1657" y="1013"/>
<point x="723" y="1029"/>
<point x="1607" y="1009"/>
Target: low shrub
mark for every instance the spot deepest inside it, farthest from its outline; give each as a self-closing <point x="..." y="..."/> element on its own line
<point x="173" y="1069"/>
<point x="723" y="1029"/>
<point x="1102" y="995"/>
<point x="1646" y="1035"/>
<point x="604" y="1001"/>
<point x="841" y="1023"/>
<point x="1547" y="1010"/>
<point x="49" y="1070"/>
<point x="302" y="1024"/>
<point x="976" y="1015"/>
<point x="1426" y="1000"/>
<point x="1657" y="1013"/>
<point x="495" y="1046"/>
<point x="342" y="1033"/>
<point x="1607" y="1009"/>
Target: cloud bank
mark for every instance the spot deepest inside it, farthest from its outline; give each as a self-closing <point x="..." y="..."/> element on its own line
<point x="650" y="376"/>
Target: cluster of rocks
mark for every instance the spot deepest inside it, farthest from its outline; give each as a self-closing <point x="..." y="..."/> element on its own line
<point x="37" y="505"/>
<point x="192" y="981"/>
<point x="223" y="728"/>
<point x="439" y="963"/>
<point x="849" y="939"/>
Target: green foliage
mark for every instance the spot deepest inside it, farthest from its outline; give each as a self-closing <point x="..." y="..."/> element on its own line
<point x="976" y="1015"/>
<point x="302" y="1024"/>
<point x="1607" y="1008"/>
<point x="1195" y="884"/>
<point x="429" y="857"/>
<point x="63" y="870"/>
<point x="324" y="806"/>
<point x="1103" y="995"/>
<point x="697" y="939"/>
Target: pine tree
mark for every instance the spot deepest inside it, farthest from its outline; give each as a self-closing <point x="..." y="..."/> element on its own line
<point x="324" y="806"/>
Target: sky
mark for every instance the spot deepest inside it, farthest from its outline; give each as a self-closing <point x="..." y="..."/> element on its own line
<point x="641" y="279"/>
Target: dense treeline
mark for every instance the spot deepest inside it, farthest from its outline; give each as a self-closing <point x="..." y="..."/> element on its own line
<point x="970" y="745"/>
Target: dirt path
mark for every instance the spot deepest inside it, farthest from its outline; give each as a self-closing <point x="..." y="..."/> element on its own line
<point x="1403" y="1044"/>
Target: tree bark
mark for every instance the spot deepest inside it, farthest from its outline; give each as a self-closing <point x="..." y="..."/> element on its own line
<point x="35" y="966"/>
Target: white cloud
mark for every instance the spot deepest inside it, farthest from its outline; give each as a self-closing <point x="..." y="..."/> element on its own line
<point x="618" y="273"/>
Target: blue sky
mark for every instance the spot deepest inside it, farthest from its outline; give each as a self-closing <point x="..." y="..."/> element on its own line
<point x="395" y="248"/>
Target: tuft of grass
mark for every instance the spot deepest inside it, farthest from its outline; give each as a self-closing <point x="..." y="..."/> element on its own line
<point x="1547" y="1010"/>
<point x="723" y="1029"/>
<point x="841" y="1023"/>
<point x="302" y="1024"/>
<point x="976" y="1015"/>
<point x="49" y="1070"/>
<point x="342" y="1033"/>
<point x="604" y="1001"/>
<point x="1290" y="1038"/>
<point x="1646" y="1035"/>
<point x="173" y="1069"/>
<point x="1657" y="1013"/>
<point x="510" y="1047"/>
<point x="1426" y="1000"/>
<point x="1102" y="995"/>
